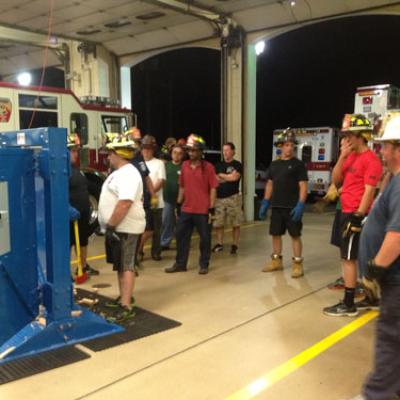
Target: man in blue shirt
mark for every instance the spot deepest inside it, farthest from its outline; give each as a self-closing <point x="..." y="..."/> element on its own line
<point x="379" y="262"/>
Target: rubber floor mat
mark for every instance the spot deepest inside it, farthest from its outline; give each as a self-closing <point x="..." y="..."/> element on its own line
<point x="144" y="323"/>
<point x="28" y="366"/>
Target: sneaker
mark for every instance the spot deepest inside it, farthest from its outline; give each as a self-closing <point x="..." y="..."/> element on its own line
<point x="156" y="257"/>
<point x="117" y="302"/>
<point x="337" y="285"/>
<point x="165" y="248"/>
<point x="367" y="304"/>
<point x="234" y="249"/>
<point x="175" y="268"/>
<point x="123" y="314"/>
<point x="203" y="271"/>
<point x="90" y="270"/>
<point x="340" y="310"/>
<point x="217" y="248"/>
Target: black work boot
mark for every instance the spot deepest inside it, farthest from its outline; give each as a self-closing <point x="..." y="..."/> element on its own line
<point x="175" y="268"/>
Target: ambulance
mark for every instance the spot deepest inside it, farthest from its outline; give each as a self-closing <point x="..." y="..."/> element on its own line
<point x="23" y="107"/>
<point x="318" y="149"/>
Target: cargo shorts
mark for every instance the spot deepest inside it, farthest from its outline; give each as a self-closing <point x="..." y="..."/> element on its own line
<point x="122" y="254"/>
<point x="228" y="208"/>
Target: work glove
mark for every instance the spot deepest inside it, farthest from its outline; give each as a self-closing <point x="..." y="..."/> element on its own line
<point x="154" y="201"/>
<point x="211" y="215"/>
<point x="373" y="278"/>
<point x="111" y="235"/>
<point x="354" y="225"/>
<point x="262" y="212"/>
<point x="74" y="214"/>
<point x="298" y="211"/>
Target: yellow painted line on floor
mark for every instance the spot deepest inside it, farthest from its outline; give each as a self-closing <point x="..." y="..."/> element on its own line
<point x="282" y="371"/>
<point x="147" y="246"/>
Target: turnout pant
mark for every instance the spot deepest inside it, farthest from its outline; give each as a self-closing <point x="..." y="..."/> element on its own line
<point x="384" y="381"/>
<point x="184" y="229"/>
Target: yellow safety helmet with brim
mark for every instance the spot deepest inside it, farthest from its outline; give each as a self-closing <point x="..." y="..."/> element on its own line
<point x="122" y="144"/>
<point x="73" y="140"/>
<point x="357" y="124"/>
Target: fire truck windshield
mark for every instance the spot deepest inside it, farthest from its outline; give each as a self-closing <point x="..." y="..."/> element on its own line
<point x="114" y="123"/>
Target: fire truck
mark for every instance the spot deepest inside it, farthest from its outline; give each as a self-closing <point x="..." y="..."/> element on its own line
<point x="318" y="149"/>
<point x="23" y="107"/>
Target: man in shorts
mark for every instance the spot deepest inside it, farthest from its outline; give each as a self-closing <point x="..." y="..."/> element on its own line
<point x="357" y="171"/>
<point x="122" y="216"/>
<point x="229" y="200"/>
<point x="286" y="192"/>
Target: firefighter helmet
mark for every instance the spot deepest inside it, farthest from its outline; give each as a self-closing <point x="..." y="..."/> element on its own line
<point x="195" y="142"/>
<point x="122" y="144"/>
<point x="286" y="136"/>
<point x="73" y="140"/>
<point x="391" y="132"/>
<point x="357" y="124"/>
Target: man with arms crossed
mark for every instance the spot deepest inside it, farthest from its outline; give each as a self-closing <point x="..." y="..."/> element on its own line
<point x="229" y="201"/>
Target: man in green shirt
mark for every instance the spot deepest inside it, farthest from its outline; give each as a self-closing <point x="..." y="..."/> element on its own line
<point x="171" y="188"/>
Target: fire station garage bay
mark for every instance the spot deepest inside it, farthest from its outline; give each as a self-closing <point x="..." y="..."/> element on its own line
<point x="233" y="323"/>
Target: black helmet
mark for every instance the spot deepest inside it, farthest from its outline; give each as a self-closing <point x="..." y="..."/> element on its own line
<point x="286" y="136"/>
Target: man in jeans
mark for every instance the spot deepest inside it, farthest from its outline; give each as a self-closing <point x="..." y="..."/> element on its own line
<point x="197" y="193"/>
<point x="379" y="260"/>
<point x="229" y="200"/>
<point x="171" y="189"/>
<point x="121" y="216"/>
<point x="357" y="171"/>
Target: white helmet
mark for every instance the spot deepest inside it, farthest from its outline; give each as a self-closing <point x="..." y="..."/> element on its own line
<point x="392" y="131"/>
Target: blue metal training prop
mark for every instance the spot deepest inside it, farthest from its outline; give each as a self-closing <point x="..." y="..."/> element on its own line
<point x="36" y="294"/>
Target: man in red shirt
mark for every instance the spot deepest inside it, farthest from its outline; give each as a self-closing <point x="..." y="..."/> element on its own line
<point x="358" y="171"/>
<point x="197" y="193"/>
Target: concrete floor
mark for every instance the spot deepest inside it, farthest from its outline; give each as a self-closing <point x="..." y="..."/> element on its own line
<point x="237" y="324"/>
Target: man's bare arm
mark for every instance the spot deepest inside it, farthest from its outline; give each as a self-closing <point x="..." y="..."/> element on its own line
<point x="120" y="211"/>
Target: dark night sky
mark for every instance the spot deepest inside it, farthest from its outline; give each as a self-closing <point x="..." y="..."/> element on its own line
<point x="306" y="77"/>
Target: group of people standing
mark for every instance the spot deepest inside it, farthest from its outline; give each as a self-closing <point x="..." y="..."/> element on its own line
<point x="145" y="196"/>
<point x="161" y="195"/>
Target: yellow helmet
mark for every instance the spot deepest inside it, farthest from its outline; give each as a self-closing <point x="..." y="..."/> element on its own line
<point x="357" y="124"/>
<point x="122" y="144"/>
<point x="73" y="140"/>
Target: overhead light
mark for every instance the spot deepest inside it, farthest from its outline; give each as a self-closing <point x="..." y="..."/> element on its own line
<point x="24" y="78"/>
<point x="151" y="15"/>
<point x="292" y="3"/>
<point x="89" y="31"/>
<point x="118" y="23"/>
<point x="260" y="47"/>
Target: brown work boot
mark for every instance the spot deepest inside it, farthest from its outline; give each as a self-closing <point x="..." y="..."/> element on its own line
<point x="274" y="265"/>
<point x="297" y="267"/>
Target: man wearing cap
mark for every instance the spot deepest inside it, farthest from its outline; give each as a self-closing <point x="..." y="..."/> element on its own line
<point x="379" y="261"/>
<point x="121" y="216"/>
<point x="197" y="193"/>
<point x="286" y="193"/>
<point x="357" y="171"/>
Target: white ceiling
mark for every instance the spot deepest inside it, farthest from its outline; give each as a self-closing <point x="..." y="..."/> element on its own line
<point x="71" y="17"/>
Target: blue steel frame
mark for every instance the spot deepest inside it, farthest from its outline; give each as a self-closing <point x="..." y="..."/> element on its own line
<point x="35" y="277"/>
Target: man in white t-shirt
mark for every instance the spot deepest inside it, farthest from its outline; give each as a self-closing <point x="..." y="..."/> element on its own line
<point x="122" y="217"/>
<point x="153" y="215"/>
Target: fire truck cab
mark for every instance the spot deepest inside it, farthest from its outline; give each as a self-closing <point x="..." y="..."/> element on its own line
<point x="317" y="148"/>
<point x="23" y="107"/>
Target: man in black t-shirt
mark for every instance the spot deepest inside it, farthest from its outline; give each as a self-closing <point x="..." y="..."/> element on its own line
<point x="229" y="201"/>
<point x="286" y="193"/>
<point x="79" y="199"/>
